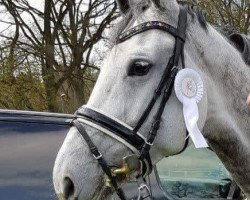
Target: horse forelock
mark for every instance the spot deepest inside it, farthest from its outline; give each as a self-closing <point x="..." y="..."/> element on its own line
<point x="129" y="17"/>
<point x="137" y="8"/>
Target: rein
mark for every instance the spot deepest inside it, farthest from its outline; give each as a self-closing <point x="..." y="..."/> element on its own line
<point x="129" y="136"/>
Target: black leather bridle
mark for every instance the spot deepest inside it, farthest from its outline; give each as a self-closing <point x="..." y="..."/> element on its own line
<point x="164" y="89"/>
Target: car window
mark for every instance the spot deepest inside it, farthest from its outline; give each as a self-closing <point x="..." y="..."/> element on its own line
<point x="27" y="155"/>
<point x="196" y="173"/>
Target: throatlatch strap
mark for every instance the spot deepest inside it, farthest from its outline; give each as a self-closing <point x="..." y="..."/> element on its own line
<point x="98" y="156"/>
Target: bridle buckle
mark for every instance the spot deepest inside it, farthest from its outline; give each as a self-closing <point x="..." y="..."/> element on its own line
<point x="144" y="192"/>
<point x="149" y="143"/>
<point x="98" y="156"/>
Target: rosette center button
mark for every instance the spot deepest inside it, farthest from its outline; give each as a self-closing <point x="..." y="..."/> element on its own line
<point x="189" y="88"/>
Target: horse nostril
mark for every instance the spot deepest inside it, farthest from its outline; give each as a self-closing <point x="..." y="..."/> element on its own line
<point x="68" y="188"/>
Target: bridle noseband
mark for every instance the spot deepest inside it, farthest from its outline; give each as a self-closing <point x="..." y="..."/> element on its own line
<point x="122" y="132"/>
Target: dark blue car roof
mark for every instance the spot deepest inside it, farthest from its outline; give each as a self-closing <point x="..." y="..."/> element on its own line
<point x="32" y="117"/>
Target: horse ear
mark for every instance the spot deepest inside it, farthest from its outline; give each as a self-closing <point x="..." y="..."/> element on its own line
<point x="123" y="5"/>
<point x="242" y="43"/>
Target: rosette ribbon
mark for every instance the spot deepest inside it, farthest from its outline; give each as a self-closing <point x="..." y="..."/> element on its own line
<point x="189" y="91"/>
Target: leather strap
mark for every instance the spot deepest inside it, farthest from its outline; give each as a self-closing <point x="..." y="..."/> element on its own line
<point x="179" y="45"/>
<point x="98" y="156"/>
<point x="156" y="95"/>
<point x="151" y="25"/>
<point x="233" y="188"/>
<point x="168" y="83"/>
<point x="112" y="125"/>
<point x="157" y="119"/>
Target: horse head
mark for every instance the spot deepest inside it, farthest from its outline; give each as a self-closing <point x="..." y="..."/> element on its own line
<point x="131" y="73"/>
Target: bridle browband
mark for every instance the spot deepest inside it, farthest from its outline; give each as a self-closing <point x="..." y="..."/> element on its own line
<point x="122" y="132"/>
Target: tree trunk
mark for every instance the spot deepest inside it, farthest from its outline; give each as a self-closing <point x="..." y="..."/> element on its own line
<point x="79" y="97"/>
<point x="49" y="60"/>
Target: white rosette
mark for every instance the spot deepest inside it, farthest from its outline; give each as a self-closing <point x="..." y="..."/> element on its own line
<point x="189" y="90"/>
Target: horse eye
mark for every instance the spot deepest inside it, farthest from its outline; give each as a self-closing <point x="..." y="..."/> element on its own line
<point x="139" y="68"/>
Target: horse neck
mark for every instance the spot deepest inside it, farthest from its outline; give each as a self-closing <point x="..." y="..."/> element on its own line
<point x="227" y="80"/>
<point x="228" y="76"/>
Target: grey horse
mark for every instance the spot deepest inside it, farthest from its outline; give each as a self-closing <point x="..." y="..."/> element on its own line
<point x="224" y="116"/>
